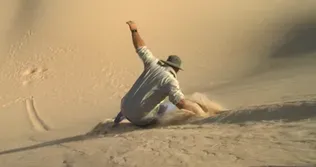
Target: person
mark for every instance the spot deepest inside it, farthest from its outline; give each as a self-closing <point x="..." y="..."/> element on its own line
<point x="143" y="103"/>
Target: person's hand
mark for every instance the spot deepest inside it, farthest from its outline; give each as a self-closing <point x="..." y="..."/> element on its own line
<point x="132" y="25"/>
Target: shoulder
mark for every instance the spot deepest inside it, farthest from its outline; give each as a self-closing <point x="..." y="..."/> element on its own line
<point x="172" y="84"/>
<point x="168" y="78"/>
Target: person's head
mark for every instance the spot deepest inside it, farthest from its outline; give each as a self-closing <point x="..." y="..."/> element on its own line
<point x="174" y="61"/>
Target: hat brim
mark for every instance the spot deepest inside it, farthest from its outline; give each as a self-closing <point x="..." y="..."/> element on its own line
<point x="172" y="64"/>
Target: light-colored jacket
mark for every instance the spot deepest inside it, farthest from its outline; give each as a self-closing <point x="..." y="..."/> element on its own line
<point x="154" y="85"/>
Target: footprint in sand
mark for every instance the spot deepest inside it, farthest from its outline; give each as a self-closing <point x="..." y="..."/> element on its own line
<point x="67" y="163"/>
<point x="33" y="74"/>
<point x="29" y="71"/>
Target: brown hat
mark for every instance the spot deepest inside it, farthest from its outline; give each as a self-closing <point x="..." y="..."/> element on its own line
<point x="173" y="61"/>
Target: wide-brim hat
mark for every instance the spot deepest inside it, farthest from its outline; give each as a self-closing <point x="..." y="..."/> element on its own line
<point x="173" y="61"/>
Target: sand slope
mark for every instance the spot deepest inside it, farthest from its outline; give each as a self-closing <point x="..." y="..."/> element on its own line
<point x="238" y="140"/>
<point x="65" y="65"/>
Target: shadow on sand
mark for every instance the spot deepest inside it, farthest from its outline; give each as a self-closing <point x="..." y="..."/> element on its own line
<point x="288" y="112"/>
<point x="24" y="20"/>
<point x="299" y="41"/>
<point x="99" y="131"/>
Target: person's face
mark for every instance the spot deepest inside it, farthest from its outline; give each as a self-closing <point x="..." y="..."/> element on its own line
<point x="176" y="70"/>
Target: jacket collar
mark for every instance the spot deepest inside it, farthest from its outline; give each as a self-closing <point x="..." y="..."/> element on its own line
<point x="171" y="70"/>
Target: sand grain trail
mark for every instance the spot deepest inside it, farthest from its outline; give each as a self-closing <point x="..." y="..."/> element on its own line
<point x="36" y="121"/>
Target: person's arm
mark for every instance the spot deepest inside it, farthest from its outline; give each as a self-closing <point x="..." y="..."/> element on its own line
<point x="140" y="46"/>
<point x="191" y="106"/>
<point x="137" y="40"/>
<point x="177" y="98"/>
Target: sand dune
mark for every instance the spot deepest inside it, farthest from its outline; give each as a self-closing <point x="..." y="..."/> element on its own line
<point x="241" y="138"/>
<point x="64" y="67"/>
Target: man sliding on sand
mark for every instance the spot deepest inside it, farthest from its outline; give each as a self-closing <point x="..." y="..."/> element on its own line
<point x="142" y="105"/>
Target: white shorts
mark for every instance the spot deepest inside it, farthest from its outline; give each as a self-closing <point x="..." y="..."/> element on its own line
<point x="166" y="107"/>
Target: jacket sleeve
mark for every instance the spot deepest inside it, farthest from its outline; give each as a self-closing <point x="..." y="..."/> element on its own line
<point x="146" y="56"/>
<point x="175" y="93"/>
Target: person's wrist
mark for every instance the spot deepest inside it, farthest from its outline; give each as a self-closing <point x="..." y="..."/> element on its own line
<point x="134" y="30"/>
